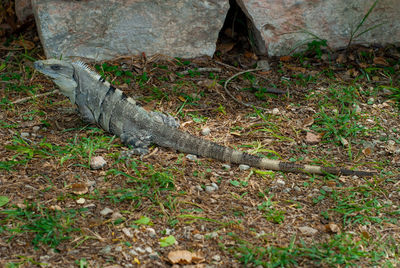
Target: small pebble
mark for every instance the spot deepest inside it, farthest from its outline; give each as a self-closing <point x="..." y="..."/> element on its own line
<point x="106" y="250"/>
<point x="370" y="101"/>
<point x="116" y="216"/>
<point x="154" y="256"/>
<point x="213" y="235"/>
<point x="280" y="182"/>
<point x="205" y="131"/>
<point x="198" y="236"/>
<point x="226" y="166"/>
<point x="149" y="250"/>
<point x="24" y="134"/>
<point x="133" y="252"/>
<point x="152" y="232"/>
<point x="35" y="128"/>
<point x="106" y="211"/>
<point x="216" y="258"/>
<point x="118" y="248"/>
<point x="244" y="167"/>
<point x="168" y="231"/>
<point x="263" y="64"/>
<point x="286" y="190"/>
<point x="198" y="188"/>
<point x="326" y="188"/>
<point x="140" y="250"/>
<point x="97" y="162"/>
<point x="308" y="230"/>
<point x="275" y="111"/>
<point x="297" y="189"/>
<point x="215" y="185"/>
<point x="191" y="157"/>
<point x="210" y="189"/>
<point x="81" y="201"/>
<point x="127" y="232"/>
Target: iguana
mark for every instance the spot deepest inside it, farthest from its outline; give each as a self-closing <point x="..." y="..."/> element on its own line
<point x="100" y="103"/>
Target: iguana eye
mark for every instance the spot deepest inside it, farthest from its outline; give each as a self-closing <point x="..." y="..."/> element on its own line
<point x="55" y="67"/>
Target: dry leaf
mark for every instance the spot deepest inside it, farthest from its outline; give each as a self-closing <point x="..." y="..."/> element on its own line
<point x="363" y="65"/>
<point x="367" y="151"/>
<point x="296" y="69"/>
<point x="25" y="44"/>
<point x="341" y="58"/>
<point x="79" y="188"/>
<point x="380" y="61"/>
<point x="225" y="47"/>
<point x="184" y="257"/>
<point x="285" y="58"/>
<point x="311" y="138"/>
<point x="332" y="228"/>
<point x="250" y="55"/>
<point x="308" y="122"/>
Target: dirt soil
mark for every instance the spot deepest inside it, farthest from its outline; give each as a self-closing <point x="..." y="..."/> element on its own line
<point x="225" y="216"/>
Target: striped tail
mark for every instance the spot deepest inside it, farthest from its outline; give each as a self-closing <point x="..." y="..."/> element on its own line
<point x="186" y="143"/>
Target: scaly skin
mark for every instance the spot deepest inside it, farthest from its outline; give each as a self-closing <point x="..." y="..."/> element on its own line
<point x="102" y="104"/>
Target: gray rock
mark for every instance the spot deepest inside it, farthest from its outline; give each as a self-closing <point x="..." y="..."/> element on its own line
<point x="140" y="250"/>
<point x="106" y="211"/>
<point x="205" y="131"/>
<point x="212" y="235"/>
<point x="97" y="162"/>
<point x="133" y="252"/>
<point x="210" y="189"/>
<point x="226" y="166"/>
<point x="106" y="250"/>
<point x="326" y="188"/>
<point x="152" y="233"/>
<point x="244" y="167"/>
<point x="215" y="185"/>
<point x="154" y="256"/>
<point x="35" y="128"/>
<point x="127" y="232"/>
<point x="306" y="230"/>
<point x="278" y="27"/>
<point x="199" y="188"/>
<point x="116" y="216"/>
<point x="102" y="29"/>
<point x="263" y="64"/>
<point x="25" y="134"/>
<point x="198" y="236"/>
<point x="118" y="249"/>
<point x="216" y="258"/>
<point x="191" y="157"/>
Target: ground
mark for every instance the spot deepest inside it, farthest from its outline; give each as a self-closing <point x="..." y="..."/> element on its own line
<point x="333" y="108"/>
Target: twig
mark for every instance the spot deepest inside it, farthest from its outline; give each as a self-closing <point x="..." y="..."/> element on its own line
<point x="233" y="97"/>
<point x="35" y="96"/>
<point x="211" y="69"/>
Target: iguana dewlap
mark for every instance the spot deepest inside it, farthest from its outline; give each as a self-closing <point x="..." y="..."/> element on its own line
<point x="100" y="103"/>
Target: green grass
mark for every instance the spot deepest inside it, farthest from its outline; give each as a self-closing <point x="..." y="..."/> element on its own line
<point x="146" y="183"/>
<point x="342" y="250"/>
<point x="338" y="118"/>
<point x="43" y="226"/>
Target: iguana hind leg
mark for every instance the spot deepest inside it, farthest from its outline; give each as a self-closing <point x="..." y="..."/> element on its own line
<point x="140" y="140"/>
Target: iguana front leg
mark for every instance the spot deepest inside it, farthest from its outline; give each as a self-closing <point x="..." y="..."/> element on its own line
<point x="165" y="119"/>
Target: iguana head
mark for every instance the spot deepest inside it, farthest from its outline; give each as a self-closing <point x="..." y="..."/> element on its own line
<point x="62" y="73"/>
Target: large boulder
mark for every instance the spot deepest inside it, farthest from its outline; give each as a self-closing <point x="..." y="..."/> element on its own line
<point x="280" y="26"/>
<point x="105" y="29"/>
